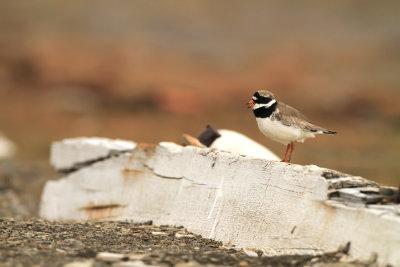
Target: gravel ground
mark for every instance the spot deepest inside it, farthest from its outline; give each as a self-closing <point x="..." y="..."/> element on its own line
<point x="41" y="243"/>
<point x="27" y="241"/>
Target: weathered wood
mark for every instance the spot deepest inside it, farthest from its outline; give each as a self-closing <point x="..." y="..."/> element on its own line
<point x="276" y="207"/>
<point x="74" y="153"/>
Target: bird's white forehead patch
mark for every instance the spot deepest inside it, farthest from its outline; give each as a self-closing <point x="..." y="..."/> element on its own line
<point x="254" y="98"/>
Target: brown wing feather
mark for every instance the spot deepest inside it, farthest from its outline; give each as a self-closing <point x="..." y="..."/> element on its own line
<point x="292" y="117"/>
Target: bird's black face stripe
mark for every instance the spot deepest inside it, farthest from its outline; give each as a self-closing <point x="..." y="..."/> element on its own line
<point x="261" y="99"/>
<point x="265" y="112"/>
<point x="264" y="100"/>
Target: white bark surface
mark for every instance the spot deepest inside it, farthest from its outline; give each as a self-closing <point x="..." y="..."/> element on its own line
<point x="277" y="207"/>
<point x="71" y="154"/>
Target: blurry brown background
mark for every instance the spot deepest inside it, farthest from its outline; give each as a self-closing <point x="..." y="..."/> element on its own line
<point x="149" y="71"/>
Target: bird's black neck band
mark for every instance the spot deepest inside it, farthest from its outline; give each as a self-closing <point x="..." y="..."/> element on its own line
<point x="265" y="112"/>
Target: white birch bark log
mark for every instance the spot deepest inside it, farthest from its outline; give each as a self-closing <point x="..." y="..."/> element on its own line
<point x="276" y="207"/>
<point x="71" y="154"/>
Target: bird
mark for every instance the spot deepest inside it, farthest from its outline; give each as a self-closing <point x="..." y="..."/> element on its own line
<point x="281" y="122"/>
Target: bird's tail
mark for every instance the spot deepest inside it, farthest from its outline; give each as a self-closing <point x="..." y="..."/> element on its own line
<point x="328" y="132"/>
<point x="322" y="131"/>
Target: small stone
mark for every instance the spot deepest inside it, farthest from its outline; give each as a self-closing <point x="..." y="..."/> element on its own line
<point x="129" y="264"/>
<point x="229" y="248"/>
<point x="159" y="233"/>
<point x="60" y="250"/>
<point x="110" y="257"/>
<point x="259" y="252"/>
<point x="243" y="264"/>
<point x="214" y="259"/>
<point x="138" y="229"/>
<point x="124" y="229"/>
<point x="87" y="263"/>
<point x="45" y="244"/>
<point x="179" y="235"/>
<point x="232" y="250"/>
<point x="250" y="253"/>
<point x="188" y="264"/>
<point x="137" y="257"/>
<point x="14" y="243"/>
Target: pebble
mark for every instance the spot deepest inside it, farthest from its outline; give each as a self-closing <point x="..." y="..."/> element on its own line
<point x="110" y="257"/>
<point x="250" y="253"/>
<point x="138" y="229"/>
<point x="159" y="233"/>
<point x="14" y="243"/>
<point x="87" y="263"/>
<point x="188" y="264"/>
<point x="60" y="251"/>
<point x="129" y="264"/>
<point x="179" y="235"/>
<point x="137" y="257"/>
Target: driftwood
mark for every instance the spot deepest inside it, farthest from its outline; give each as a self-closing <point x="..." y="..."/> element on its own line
<point x="275" y="207"/>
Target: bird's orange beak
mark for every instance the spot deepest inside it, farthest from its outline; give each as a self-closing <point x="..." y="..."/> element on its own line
<point x="250" y="104"/>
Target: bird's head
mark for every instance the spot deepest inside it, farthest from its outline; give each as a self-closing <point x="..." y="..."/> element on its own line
<point x="262" y="98"/>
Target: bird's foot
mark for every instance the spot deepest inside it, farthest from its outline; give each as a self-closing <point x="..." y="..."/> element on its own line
<point x="286" y="154"/>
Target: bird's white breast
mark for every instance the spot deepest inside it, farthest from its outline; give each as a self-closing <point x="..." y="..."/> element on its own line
<point x="281" y="133"/>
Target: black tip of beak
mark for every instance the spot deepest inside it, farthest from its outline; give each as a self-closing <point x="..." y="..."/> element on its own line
<point x="250" y="104"/>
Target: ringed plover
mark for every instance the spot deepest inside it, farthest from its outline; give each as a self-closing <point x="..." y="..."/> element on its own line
<point x="281" y="122"/>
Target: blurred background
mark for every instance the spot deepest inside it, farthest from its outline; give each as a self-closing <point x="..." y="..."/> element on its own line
<point x="149" y="71"/>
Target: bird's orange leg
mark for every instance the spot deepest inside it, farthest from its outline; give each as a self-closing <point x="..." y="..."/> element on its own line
<point x="287" y="150"/>
<point x="291" y="150"/>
